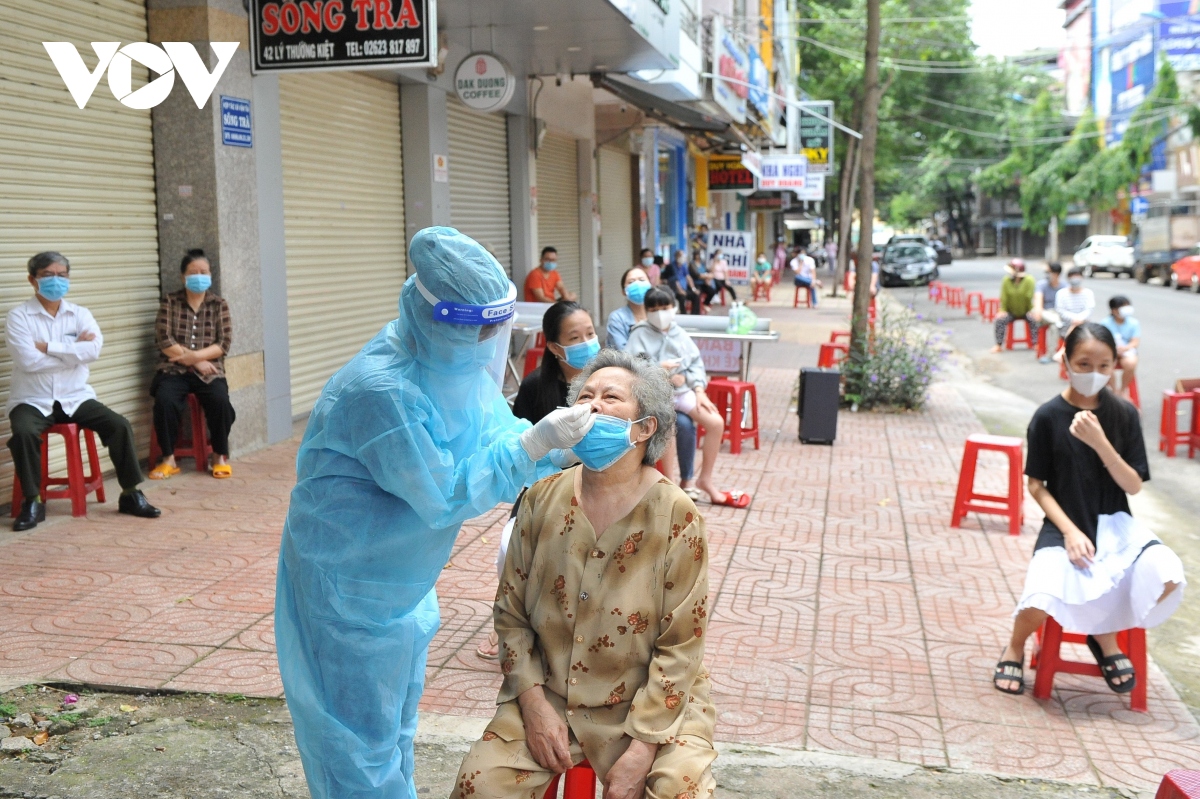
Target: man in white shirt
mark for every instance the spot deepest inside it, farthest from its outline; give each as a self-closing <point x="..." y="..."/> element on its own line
<point x="804" y="272"/>
<point x="51" y="342"/>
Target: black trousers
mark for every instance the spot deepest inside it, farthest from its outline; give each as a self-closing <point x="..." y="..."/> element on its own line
<point x="721" y="284"/>
<point x="28" y="424"/>
<point x="689" y="302"/>
<point x="170" y="409"/>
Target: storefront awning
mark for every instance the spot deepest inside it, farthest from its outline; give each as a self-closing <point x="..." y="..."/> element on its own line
<point x="680" y="117"/>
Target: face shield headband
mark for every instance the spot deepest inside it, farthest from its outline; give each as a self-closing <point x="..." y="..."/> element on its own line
<point x="460" y="313"/>
<point x="488" y="349"/>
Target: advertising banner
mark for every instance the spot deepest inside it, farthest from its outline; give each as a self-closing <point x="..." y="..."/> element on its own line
<point x="721" y="356"/>
<point x="783" y="172"/>
<point x="816" y="138"/>
<point x="813" y="189"/>
<point x="1179" y="35"/>
<point x="738" y="248"/>
<point x="292" y="36"/>
<point x="728" y="173"/>
<point x="1131" y="73"/>
<point x="730" y="61"/>
<point x="760" y="92"/>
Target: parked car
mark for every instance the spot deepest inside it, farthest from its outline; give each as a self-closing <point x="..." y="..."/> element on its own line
<point x="1185" y="273"/>
<point x="1105" y="254"/>
<point x="944" y="256"/>
<point x="908" y="263"/>
<point x="901" y="237"/>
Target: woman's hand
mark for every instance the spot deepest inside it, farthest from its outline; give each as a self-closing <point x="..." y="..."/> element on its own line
<point x="205" y="368"/>
<point x="1080" y="548"/>
<point x="670" y="366"/>
<point x="1086" y="427"/>
<point x="678" y="380"/>
<point x="704" y="403"/>
<point x="545" y="732"/>
<point x="627" y="778"/>
<point x="185" y="358"/>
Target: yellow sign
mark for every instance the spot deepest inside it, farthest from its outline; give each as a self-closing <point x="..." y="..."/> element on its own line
<point x="817" y="156"/>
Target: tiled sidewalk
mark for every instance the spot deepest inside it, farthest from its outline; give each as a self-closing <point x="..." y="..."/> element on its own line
<point x="847" y="616"/>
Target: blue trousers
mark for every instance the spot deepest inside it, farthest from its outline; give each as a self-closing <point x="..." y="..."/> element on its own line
<point x="685" y="444"/>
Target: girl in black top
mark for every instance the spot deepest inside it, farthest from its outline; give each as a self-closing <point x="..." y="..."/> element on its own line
<point x="1094" y="570"/>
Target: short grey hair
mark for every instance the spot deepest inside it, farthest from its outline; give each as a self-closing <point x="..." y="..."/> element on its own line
<point x="652" y="392"/>
<point x="44" y="259"/>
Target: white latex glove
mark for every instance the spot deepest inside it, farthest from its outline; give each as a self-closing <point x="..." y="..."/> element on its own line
<point x="563" y="458"/>
<point x="562" y="428"/>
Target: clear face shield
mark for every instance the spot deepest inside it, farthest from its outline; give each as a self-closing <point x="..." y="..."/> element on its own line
<point x="476" y="336"/>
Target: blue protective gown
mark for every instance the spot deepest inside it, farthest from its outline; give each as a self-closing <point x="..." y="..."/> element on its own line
<point x="407" y="441"/>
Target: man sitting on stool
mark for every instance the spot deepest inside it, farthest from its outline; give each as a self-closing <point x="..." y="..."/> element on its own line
<point x="1127" y="332"/>
<point x="1016" y="302"/>
<point x="51" y="342"/>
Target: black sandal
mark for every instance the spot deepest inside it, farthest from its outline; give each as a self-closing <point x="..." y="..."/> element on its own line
<point x="1009" y="670"/>
<point x="1111" y="668"/>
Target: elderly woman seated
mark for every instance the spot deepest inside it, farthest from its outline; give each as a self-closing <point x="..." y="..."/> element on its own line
<point x="602" y="613"/>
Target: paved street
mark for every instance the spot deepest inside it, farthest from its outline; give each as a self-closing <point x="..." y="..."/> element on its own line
<point x="847" y="618"/>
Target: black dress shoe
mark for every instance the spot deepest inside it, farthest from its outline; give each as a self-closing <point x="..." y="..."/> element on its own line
<point x="32" y="512"/>
<point x="135" y="504"/>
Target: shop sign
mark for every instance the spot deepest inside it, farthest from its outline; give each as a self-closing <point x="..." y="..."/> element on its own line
<point x="729" y="61"/>
<point x="816" y="137"/>
<point x="313" y="35"/>
<point x="813" y="189"/>
<point x="768" y="202"/>
<point x="1179" y="35"/>
<point x="760" y="92"/>
<point x="484" y="82"/>
<point x="738" y="248"/>
<point x="783" y="172"/>
<point x="236" y="130"/>
<point x="728" y="173"/>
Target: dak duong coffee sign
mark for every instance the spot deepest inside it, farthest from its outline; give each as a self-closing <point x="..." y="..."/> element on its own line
<point x="302" y="35"/>
<point x="484" y="82"/>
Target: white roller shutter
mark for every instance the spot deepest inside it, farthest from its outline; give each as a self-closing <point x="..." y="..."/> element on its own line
<point x="343" y="206"/>
<point x="616" y="224"/>
<point x="478" y="154"/>
<point x="80" y="181"/>
<point x="558" y="205"/>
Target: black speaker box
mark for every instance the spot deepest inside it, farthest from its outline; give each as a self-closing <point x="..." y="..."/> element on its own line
<point x="818" y="405"/>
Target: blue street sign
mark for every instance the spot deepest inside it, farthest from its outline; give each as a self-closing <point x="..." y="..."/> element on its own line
<point x="235" y="122"/>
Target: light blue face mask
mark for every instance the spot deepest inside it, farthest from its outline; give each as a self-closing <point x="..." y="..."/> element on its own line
<point x="636" y="291"/>
<point x="578" y="355"/>
<point x="551" y="265"/>
<point x="198" y="284"/>
<point x="53" y="288"/>
<point x="607" y="441"/>
<point x="647" y="262"/>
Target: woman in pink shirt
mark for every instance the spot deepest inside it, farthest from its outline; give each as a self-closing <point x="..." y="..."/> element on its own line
<point x="720" y="272"/>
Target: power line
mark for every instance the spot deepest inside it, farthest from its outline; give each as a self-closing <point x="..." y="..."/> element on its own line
<point x="902" y="64"/>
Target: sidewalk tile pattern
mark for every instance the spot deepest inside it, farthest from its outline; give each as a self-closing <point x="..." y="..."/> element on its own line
<point x="847" y="616"/>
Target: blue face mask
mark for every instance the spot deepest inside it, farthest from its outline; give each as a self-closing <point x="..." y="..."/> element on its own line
<point x="605" y="443"/>
<point x="647" y="262"/>
<point x="636" y="291"/>
<point x="53" y="288"/>
<point x="550" y="265"/>
<point x="578" y="355"/>
<point x="198" y="284"/>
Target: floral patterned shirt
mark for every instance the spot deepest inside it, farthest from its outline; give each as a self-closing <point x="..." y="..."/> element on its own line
<point x="614" y="628"/>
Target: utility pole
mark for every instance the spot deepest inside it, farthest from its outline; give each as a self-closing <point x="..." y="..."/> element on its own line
<point x="870" y="136"/>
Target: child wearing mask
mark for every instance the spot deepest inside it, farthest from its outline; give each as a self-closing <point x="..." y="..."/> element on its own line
<point x="1095" y="570"/>
<point x="663" y="341"/>
<point x="1127" y="332"/>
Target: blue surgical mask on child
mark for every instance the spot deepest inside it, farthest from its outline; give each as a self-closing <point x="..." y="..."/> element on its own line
<point x="53" y="288"/>
<point x="198" y="284"/>
<point x="636" y="291"/>
<point x="578" y="355"/>
<point x="606" y="443"/>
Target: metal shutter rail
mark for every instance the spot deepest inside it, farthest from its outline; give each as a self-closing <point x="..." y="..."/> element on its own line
<point x="343" y="205"/>
<point x="81" y="182"/>
<point x="478" y="164"/>
<point x="616" y="226"/>
<point x="558" y="205"/>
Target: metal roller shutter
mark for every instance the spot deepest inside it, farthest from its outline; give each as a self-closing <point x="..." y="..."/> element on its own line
<point x="478" y="164"/>
<point x="616" y="225"/>
<point x="558" y="205"/>
<point x="81" y="182"/>
<point x="343" y="206"/>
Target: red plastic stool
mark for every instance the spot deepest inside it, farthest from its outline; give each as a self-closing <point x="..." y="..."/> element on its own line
<point x="966" y="500"/>
<point x="1179" y="784"/>
<point x="187" y="447"/>
<point x="1048" y="662"/>
<point x="1043" y="340"/>
<point x="974" y="298"/>
<point x="796" y="299"/>
<point x="76" y="484"/>
<point x="533" y="358"/>
<point x="954" y="296"/>
<point x="935" y="290"/>
<point x="1169" y="436"/>
<point x="832" y="354"/>
<point x="1010" y="336"/>
<point x="835" y="335"/>
<point x="761" y="291"/>
<point x="991" y="309"/>
<point x="580" y="783"/>
<point x="721" y="296"/>
<point x="1134" y="396"/>
<point x="732" y="398"/>
<point x="1194" y="435"/>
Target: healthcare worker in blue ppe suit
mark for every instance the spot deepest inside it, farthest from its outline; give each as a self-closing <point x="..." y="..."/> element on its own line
<point x="407" y="441"/>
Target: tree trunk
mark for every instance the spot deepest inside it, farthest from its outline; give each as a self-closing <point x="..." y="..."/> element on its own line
<point x="1052" y="241"/>
<point x="849" y="187"/>
<point x="866" y="216"/>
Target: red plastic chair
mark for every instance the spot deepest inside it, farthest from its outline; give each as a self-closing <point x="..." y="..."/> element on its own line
<point x="832" y="354"/>
<point x="732" y="398"/>
<point x="187" y="447"/>
<point x="1011" y="338"/>
<point x="580" y="783"/>
<point x="1179" y="784"/>
<point x="966" y="500"/>
<point x="796" y="299"/>
<point x="991" y="309"/>
<point x="1049" y="662"/>
<point x="974" y="302"/>
<point x="76" y="485"/>
<point x="1169" y="435"/>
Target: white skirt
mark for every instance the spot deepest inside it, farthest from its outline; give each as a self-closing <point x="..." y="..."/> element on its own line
<point x="1119" y="591"/>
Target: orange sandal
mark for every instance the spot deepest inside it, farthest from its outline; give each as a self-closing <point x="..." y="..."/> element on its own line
<point x="222" y="470"/>
<point x="735" y="499"/>
<point x="164" y="471"/>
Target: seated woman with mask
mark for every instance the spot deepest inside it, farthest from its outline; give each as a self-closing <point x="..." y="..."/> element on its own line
<point x="602" y="613"/>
